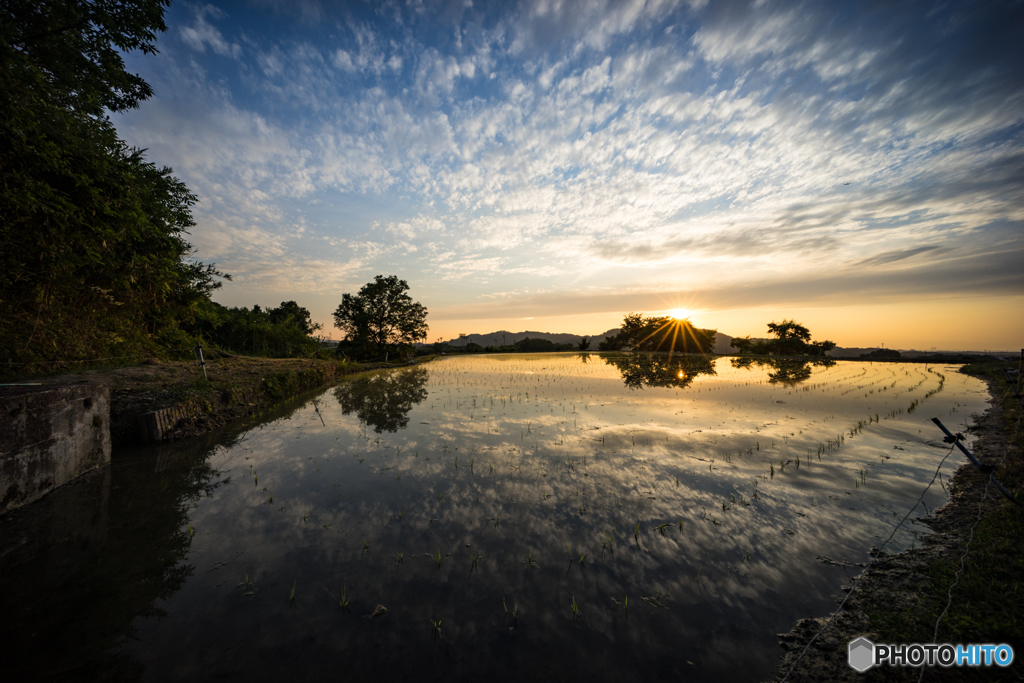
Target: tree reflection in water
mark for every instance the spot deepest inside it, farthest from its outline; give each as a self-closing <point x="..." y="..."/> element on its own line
<point x="656" y="370"/>
<point x="384" y="400"/>
<point x="786" y="371"/>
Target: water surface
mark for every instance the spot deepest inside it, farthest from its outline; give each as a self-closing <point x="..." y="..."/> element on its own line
<point x="689" y="509"/>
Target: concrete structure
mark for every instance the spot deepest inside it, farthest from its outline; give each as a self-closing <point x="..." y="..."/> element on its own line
<point x="153" y="426"/>
<point x="48" y="436"/>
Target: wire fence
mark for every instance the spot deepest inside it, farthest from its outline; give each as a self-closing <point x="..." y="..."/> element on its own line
<point x="954" y="441"/>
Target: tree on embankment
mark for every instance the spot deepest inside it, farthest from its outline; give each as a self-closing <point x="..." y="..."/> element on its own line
<point x="660" y="333"/>
<point x="93" y="256"/>
<point x="791" y="339"/>
<point x="380" y="320"/>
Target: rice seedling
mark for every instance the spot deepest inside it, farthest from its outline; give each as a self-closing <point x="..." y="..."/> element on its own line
<point x="398" y="558"/>
<point x="575" y="609"/>
<point x="291" y="598"/>
<point x="191" y="531"/>
<point x="366" y="546"/>
<point x="636" y="534"/>
<point x="437" y="558"/>
<point x="474" y="557"/>
<point x="530" y="562"/>
<point x="436" y="624"/>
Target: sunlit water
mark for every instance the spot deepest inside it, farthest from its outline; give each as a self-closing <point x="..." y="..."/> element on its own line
<point x="503" y="509"/>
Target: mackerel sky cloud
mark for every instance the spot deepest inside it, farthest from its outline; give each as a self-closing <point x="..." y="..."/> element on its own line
<point x="859" y="166"/>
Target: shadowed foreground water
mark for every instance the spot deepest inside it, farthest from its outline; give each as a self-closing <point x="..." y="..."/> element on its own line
<point x="521" y="517"/>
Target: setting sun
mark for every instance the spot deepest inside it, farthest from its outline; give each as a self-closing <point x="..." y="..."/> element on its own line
<point x="679" y="313"/>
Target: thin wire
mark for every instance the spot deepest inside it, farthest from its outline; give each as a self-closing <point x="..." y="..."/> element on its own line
<point x="963" y="559"/>
<point x="866" y="568"/>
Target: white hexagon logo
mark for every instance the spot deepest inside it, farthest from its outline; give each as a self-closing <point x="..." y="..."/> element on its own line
<point x="862" y="654"/>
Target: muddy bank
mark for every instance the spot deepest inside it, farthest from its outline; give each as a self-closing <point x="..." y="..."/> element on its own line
<point x="233" y="388"/>
<point x="902" y="585"/>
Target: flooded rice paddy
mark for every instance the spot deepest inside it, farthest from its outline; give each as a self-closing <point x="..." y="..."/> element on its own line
<point x="537" y="517"/>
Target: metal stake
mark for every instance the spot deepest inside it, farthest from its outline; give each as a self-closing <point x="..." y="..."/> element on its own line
<point x="202" y="362"/>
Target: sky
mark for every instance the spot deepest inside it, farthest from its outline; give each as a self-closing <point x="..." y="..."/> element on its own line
<point x="556" y="164"/>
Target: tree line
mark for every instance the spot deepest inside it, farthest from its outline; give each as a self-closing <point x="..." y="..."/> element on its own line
<point x="94" y="259"/>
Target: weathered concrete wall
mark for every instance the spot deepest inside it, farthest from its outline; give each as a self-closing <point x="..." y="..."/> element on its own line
<point x="49" y="436"/>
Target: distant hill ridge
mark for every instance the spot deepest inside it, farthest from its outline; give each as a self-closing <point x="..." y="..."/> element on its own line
<point x="723" y="342"/>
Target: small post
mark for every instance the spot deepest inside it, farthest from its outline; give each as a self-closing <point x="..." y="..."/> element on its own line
<point x="202" y="361"/>
<point x="955" y="440"/>
<point x="1020" y="371"/>
<point x="317" y="351"/>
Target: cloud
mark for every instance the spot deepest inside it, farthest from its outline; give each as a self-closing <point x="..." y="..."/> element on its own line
<point x="202" y="34"/>
<point x="642" y="145"/>
<point x="895" y="255"/>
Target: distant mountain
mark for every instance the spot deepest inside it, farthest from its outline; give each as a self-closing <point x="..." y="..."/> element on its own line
<point x="723" y="342"/>
<point x="854" y="352"/>
<point x="506" y="338"/>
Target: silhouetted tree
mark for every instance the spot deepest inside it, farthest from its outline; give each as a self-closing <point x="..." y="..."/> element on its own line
<point x="791" y="339"/>
<point x="584" y="344"/>
<point x="661" y="333"/>
<point x="297" y="315"/>
<point x="381" y="314"/>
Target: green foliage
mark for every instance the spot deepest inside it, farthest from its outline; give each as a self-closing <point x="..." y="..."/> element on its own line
<point x="93" y="256"/>
<point x="291" y="313"/>
<point x="791" y="339"/>
<point x="275" y="333"/>
<point x="379" y="318"/>
<point x="660" y="333"/>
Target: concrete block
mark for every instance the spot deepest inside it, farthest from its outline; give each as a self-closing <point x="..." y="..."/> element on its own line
<point x="48" y="436"/>
<point x="154" y="425"/>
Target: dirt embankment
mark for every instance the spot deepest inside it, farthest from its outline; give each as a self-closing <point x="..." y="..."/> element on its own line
<point x="233" y="388"/>
<point x="897" y="599"/>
